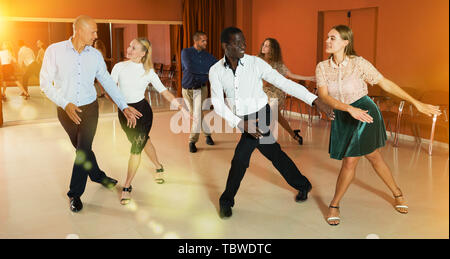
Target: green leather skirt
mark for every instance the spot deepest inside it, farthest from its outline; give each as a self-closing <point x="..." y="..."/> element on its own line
<point x="351" y="138"/>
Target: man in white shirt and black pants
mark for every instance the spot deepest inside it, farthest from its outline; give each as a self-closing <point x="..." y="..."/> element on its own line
<point x="240" y="77"/>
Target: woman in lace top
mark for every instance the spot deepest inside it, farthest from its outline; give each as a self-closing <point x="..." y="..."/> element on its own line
<point x="358" y="128"/>
<point x="271" y="52"/>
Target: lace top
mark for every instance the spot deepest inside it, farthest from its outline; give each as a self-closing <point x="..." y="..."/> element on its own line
<point x="271" y="90"/>
<point x="346" y="82"/>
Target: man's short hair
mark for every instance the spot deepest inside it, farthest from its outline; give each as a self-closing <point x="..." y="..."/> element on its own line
<point x="226" y="34"/>
<point x="197" y="35"/>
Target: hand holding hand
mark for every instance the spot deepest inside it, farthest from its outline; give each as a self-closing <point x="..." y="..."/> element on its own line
<point x="132" y="115"/>
<point x="325" y="108"/>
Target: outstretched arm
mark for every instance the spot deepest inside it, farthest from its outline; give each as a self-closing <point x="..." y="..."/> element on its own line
<point x="392" y="88"/>
<point x="289" y="74"/>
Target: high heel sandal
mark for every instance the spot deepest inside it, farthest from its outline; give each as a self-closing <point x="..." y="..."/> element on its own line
<point x="298" y="137"/>
<point x="333" y="218"/>
<point x="125" y="201"/>
<point x="159" y="178"/>
<point x="399" y="207"/>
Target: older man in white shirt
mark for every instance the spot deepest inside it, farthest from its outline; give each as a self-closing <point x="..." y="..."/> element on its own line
<point x="67" y="78"/>
<point x="240" y="77"/>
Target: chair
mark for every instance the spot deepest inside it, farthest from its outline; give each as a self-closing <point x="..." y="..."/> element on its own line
<point x="392" y="109"/>
<point x="171" y="79"/>
<point x="158" y="68"/>
<point x="439" y="98"/>
<point x="291" y="99"/>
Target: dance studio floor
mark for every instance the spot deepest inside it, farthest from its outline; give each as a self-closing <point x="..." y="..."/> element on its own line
<point x="36" y="161"/>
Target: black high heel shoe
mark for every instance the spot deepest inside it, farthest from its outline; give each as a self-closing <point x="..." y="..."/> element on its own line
<point x="298" y="137"/>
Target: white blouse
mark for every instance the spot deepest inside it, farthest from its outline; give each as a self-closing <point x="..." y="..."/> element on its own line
<point x="133" y="81"/>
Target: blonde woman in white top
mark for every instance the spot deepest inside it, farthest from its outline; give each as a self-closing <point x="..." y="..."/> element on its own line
<point x="133" y="77"/>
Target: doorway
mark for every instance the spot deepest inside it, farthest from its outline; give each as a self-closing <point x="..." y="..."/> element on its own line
<point x="363" y="22"/>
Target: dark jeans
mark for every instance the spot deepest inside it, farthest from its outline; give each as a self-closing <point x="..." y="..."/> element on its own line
<point x="270" y="149"/>
<point x="82" y="136"/>
<point x="30" y="70"/>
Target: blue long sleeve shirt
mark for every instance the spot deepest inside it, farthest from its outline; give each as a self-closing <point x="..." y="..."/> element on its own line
<point x="68" y="76"/>
<point x="195" y="65"/>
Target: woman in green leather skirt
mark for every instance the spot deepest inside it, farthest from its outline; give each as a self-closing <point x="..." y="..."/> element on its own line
<point x="358" y="128"/>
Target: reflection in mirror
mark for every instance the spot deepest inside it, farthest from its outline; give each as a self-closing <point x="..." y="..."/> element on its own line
<point x="22" y="45"/>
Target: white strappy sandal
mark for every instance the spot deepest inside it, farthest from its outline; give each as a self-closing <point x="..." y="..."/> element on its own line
<point x="333" y="218"/>
<point x="398" y="207"/>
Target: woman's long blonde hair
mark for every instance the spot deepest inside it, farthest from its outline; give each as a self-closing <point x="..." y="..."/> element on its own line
<point x="147" y="58"/>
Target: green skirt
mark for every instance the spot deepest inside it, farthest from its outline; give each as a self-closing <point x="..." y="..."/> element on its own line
<point x="352" y="138"/>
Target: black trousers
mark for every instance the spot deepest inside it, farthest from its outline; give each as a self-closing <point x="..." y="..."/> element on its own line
<point x="82" y="136"/>
<point x="268" y="146"/>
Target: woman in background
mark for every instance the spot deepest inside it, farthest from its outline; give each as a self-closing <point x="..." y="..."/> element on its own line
<point x="271" y="52"/>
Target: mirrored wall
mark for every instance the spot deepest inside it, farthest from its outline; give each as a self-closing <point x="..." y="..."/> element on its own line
<point x="113" y="40"/>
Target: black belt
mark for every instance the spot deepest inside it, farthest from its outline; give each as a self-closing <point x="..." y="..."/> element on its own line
<point x="198" y="87"/>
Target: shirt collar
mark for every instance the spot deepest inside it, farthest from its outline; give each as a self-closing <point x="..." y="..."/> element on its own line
<point x="69" y="45"/>
<point x="344" y="63"/>
<point x="226" y="62"/>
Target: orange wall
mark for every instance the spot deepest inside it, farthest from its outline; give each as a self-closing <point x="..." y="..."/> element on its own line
<point x="412" y="44"/>
<point x="158" y="10"/>
<point x="159" y="36"/>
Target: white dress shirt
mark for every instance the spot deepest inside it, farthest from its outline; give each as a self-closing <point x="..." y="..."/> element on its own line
<point x="244" y="89"/>
<point x="26" y="56"/>
<point x="68" y="76"/>
<point x="133" y="80"/>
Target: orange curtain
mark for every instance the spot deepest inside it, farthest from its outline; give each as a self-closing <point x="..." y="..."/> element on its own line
<point x="207" y="16"/>
<point x="176" y="36"/>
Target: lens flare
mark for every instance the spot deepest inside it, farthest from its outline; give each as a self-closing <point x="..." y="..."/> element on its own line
<point x="80" y="158"/>
<point x="87" y="165"/>
<point x="156" y="227"/>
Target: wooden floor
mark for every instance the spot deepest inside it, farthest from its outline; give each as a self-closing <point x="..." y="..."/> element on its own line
<point x="36" y="161"/>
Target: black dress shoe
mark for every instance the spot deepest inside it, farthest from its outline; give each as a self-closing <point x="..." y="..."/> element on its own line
<point x="225" y="212"/>
<point x="109" y="182"/>
<point x="75" y="204"/>
<point x="192" y="147"/>
<point x="209" y="141"/>
<point x="303" y="194"/>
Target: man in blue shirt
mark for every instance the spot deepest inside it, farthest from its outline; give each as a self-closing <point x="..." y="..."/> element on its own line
<point x="67" y="78"/>
<point x="195" y="62"/>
